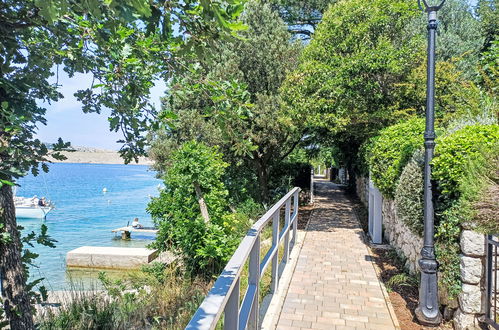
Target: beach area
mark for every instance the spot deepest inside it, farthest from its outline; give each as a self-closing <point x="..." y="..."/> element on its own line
<point x="85" y="155"/>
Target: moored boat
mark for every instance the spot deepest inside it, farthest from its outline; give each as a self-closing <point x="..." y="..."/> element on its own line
<point x="32" y="207"/>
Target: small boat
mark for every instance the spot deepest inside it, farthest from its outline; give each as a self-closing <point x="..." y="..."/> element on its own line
<point x="32" y="207"/>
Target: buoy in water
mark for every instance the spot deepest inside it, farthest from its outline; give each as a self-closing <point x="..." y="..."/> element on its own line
<point x="104" y="190"/>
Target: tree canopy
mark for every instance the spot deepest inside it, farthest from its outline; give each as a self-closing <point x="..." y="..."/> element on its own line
<point x="232" y="100"/>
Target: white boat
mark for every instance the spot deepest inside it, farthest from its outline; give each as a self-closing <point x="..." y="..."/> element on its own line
<point x="31" y="207"/>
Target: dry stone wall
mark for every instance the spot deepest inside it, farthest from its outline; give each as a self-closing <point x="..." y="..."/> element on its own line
<point x="395" y="231"/>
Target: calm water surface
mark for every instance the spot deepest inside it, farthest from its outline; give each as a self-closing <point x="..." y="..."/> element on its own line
<point x="84" y="215"/>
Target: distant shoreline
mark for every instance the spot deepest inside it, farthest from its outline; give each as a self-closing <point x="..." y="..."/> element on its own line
<point x="98" y="157"/>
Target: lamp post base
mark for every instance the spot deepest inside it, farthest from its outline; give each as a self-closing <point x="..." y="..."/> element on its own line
<point x="423" y="320"/>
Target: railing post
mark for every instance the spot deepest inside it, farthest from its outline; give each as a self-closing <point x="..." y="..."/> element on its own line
<point x="231" y="318"/>
<point x="296" y="198"/>
<point x="312" y="186"/>
<point x="254" y="279"/>
<point x="275" y="259"/>
<point x="287" y="217"/>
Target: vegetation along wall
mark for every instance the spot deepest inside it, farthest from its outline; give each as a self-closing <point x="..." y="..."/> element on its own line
<point x="465" y="173"/>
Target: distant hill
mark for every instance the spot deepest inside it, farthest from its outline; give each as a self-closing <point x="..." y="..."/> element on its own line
<point x="96" y="156"/>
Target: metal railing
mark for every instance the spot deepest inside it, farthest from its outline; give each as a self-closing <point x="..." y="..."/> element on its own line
<point x="223" y="297"/>
<point x="491" y="314"/>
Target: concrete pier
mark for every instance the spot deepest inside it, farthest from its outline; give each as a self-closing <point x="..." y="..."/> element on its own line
<point x="109" y="257"/>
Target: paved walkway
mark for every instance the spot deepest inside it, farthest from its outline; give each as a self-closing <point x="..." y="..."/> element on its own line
<point x="334" y="285"/>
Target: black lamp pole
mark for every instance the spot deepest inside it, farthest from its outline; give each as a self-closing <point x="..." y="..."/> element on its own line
<point x="428" y="312"/>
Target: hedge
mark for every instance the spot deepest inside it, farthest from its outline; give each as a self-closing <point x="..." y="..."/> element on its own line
<point x="455" y="150"/>
<point x="390" y="151"/>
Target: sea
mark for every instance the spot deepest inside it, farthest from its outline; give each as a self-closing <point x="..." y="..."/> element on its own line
<point x="90" y="201"/>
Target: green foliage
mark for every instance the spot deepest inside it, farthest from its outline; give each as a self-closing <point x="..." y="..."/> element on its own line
<point x="488" y="14"/>
<point x="390" y="151"/>
<point x="460" y="36"/>
<point x="454" y="150"/>
<point x="454" y="153"/>
<point x="478" y="188"/>
<point x="409" y="194"/>
<point x="489" y="68"/>
<point x="155" y="269"/>
<point x="349" y="72"/>
<point x="231" y="100"/>
<point x="447" y="251"/>
<point x="204" y="245"/>
<point x="455" y="95"/>
<point x="136" y="301"/>
<point x="301" y="16"/>
<point x="400" y="280"/>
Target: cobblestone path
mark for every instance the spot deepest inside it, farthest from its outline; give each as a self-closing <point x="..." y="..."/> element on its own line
<point x="334" y="285"/>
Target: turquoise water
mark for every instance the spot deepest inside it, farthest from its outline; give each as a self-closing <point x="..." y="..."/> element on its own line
<point x="84" y="215"/>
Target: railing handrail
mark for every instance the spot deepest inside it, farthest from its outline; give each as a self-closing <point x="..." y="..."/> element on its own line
<point x="223" y="293"/>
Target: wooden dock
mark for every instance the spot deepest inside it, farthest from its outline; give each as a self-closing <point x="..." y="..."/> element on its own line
<point x="126" y="232"/>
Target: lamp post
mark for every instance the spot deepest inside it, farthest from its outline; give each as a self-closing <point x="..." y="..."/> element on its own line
<point x="428" y="312"/>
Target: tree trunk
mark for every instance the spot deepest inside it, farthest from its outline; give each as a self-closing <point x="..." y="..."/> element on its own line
<point x="15" y="298"/>
<point x="351" y="179"/>
<point x="263" y="180"/>
<point x="202" y="203"/>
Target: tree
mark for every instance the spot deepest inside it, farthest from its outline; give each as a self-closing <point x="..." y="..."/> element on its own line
<point x="205" y="242"/>
<point x="459" y="36"/>
<point x="350" y="71"/>
<point x="232" y="100"/>
<point x="488" y="13"/>
<point x="124" y="44"/>
<point x="301" y="16"/>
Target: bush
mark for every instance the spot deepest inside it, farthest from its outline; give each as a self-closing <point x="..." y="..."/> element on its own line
<point x="409" y="194"/>
<point x="460" y="157"/>
<point x="454" y="151"/>
<point x="205" y="244"/>
<point x="479" y="192"/>
<point x="166" y="299"/>
<point x="390" y="151"/>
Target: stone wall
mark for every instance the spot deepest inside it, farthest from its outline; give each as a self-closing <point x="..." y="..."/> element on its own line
<point x="395" y="231"/>
<point x="362" y="189"/>
<point x="471" y="303"/>
<point x="400" y="236"/>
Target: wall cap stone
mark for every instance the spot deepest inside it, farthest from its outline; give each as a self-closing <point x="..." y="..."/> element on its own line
<point x="472" y="243"/>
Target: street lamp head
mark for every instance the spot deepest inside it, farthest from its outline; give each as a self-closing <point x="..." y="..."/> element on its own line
<point x="430" y="5"/>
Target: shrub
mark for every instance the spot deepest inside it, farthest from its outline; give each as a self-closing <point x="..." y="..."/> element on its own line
<point x="390" y="151"/>
<point x="409" y="194"/>
<point x="479" y="190"/>
<point x="205" y="244"/>
<point x="458" y="168"/>
<point x="138" y="300"/>
<point x="454" y="151"/>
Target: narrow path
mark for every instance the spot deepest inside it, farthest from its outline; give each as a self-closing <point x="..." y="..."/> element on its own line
<point x="334" y="285"/>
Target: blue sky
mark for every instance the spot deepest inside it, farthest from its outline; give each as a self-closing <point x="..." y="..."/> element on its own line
<point x="66" y="119"/>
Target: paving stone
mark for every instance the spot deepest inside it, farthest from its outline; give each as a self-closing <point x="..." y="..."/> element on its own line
<point x="334" y="285"/>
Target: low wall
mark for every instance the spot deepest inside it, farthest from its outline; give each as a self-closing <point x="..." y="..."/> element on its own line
<point x="395" y="231"/>
<point x="470" y="305"/>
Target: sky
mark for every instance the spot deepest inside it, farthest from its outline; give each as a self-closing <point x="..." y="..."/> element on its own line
<point x="65" y="118"/>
